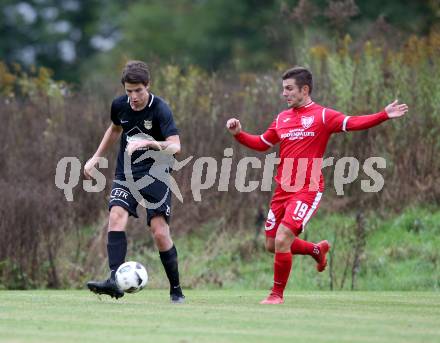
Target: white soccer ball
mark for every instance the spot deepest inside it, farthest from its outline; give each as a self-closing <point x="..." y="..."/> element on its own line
<point x="131" y="277"/>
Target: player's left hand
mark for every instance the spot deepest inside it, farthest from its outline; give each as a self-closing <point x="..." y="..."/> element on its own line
<point x="145" y="143"/>
<point x="395" y="110"/>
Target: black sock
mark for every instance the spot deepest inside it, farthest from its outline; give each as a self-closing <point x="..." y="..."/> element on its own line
<point x="169" y="261"/>
<point x="116" y="250"/>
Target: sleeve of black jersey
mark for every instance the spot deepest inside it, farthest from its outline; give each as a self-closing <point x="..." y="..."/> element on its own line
<point x="114" y="113"/>
<point x="166" y="122"/>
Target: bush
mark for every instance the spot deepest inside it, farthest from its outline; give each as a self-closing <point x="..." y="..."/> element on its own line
<point x="43" y="121"/>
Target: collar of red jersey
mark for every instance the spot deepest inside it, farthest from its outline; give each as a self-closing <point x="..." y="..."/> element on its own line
<point x="303" y="107"/>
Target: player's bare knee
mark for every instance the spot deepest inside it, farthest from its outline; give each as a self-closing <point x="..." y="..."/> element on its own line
<point x="161" y="235"/>
<point x="279" y="242"/>
<point x="117" y="218"/>
<point x="282" y="242"/>
<point x="162" y="239"/>
<point x="159" y="228"/>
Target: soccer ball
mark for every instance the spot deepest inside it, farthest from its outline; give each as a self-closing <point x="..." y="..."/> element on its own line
<point x="131" y="277"/>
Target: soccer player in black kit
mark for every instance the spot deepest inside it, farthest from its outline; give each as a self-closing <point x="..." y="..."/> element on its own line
<point x="147" y="127"/>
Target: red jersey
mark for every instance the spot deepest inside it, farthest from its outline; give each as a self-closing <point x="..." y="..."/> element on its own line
<point x="303" y="134"/>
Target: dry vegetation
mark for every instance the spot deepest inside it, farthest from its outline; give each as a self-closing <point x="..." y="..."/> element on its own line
<point x="41" y="124"/>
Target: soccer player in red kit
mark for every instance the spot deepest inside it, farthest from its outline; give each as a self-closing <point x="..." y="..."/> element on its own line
<point x="302" y="131"/>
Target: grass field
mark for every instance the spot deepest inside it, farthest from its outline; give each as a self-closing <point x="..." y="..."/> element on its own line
<point x="220" y="316"/>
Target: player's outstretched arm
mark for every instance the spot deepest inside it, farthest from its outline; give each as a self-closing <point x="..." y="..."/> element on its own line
<point x="396" y="110"/>
<point x="356" y="123"/>
<point x="251" y="141"/>
<point x="110" y="137"/>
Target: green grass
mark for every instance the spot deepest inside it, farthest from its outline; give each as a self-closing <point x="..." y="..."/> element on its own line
<point x="401" y="254"/>
<point x="219" y="316"/>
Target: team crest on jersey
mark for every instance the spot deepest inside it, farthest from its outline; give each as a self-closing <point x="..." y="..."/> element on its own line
<point x="148" y="124"/>
<point x="307" y="121"/>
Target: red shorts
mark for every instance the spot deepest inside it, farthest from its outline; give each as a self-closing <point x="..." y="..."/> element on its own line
<point x="293" y="210"/>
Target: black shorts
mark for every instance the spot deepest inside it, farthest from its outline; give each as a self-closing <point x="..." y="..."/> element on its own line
<point x="155" y="198"/>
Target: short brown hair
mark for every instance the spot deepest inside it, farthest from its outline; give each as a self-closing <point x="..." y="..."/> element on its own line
<point x="135" y="72"/>
<point x="302" y="76"/>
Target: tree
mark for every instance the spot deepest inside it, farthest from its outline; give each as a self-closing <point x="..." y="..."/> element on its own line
<point x="52" y="33"/>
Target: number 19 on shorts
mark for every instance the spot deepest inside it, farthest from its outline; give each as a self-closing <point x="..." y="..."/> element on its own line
<point x="300" y="210"/>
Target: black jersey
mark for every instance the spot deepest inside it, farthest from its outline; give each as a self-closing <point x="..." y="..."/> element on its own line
<point x="154" y="122"/>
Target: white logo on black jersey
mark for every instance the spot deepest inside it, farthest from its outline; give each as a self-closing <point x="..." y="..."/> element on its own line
<point x="148" y="124"/>
<point x="119" y="193"/>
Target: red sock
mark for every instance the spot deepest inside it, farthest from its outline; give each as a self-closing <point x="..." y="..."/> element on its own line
<point x="300" y="247"/>
<point x="281" y="270"/>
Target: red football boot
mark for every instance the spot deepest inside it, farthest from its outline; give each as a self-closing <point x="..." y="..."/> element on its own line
<point x="272" y="299"/>
<point x="324" y="247"/>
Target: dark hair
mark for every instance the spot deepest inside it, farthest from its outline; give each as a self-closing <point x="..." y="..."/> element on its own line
<point x="135" y="72"/>
<point x="302" y="76"/>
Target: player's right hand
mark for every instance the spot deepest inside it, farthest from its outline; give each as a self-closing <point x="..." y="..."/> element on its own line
<point x="233" y="125"/>
<point x="90" y="164"/>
